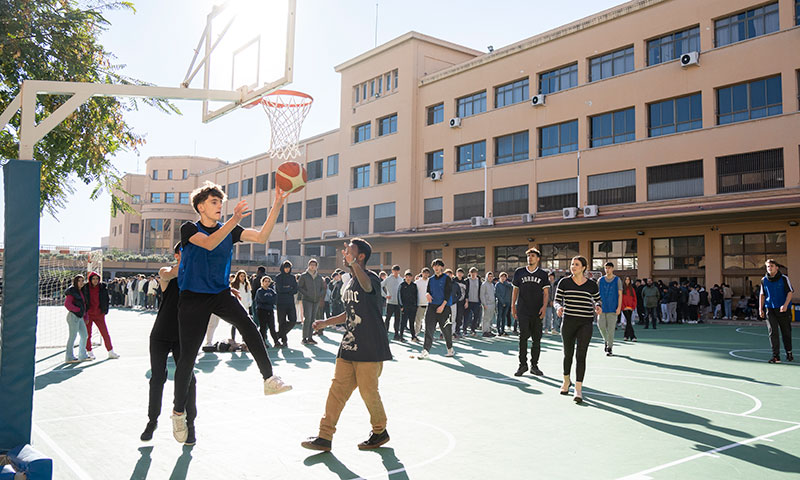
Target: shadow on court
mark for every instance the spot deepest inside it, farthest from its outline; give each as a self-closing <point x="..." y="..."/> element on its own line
<point x="62" y="373"/>
<point x="394" y="467"/>
<point x="694" y="370"/>
<point x="179" y="472"/>
<point x="488" y="375"/>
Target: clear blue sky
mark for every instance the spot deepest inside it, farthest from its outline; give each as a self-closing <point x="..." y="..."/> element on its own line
<point x="156" y="45"/>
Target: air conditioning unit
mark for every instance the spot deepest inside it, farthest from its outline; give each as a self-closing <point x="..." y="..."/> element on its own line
<point x="481" y="221"/>
<point x="455" y="122"/>
<point x="590" y="211"/>
<point x="331" y="234"/>
<point x="527" y="217"/>
<point x="537" y="100"/>
<point x="339" y="234"/>
<point x="569" y="212"/>
<point x="436" y="175"/>
<point x="689" y="59"/>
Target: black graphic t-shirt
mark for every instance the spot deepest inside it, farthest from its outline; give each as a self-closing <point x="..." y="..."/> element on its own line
<point x="531" y="290"/>
<point x="365" y="339"/>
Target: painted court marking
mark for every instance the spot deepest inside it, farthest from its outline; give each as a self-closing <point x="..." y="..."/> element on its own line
<point x="739" y="330"/>
<point x="733" y="353"/>
<point x="68" y="461"/>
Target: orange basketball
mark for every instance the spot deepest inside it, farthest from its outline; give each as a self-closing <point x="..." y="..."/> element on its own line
<point x="291" y="177"/>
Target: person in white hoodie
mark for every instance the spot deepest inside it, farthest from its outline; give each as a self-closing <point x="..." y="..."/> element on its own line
<point x="488" y="304"/>
<point x="242" y="285"/>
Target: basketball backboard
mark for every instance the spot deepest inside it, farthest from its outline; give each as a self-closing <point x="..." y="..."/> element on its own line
<point x="247" y="46"/>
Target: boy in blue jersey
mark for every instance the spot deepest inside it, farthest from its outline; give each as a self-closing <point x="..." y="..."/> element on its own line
<point x="773" y="304"/>
<point x="206" y="251"/>
<point x="440" y="289"/>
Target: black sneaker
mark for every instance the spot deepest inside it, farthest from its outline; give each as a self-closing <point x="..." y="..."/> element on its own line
<point x="535" y="371"/>
<point x="317" y="443"/>
<point x="789" y="357"/>
<point x="147" y="435"/>
<point x="608" y="352"/>
<point x="191" y="439"/>
<point x="521" y="371"/>
<point x="775" y="360"/>
<point x="374" y="441"/>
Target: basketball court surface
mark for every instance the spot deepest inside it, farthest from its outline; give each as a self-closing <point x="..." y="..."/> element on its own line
<point x="686" y="401"/>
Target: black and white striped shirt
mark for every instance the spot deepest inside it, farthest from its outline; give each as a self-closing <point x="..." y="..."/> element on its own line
<point x="578" y="300"/>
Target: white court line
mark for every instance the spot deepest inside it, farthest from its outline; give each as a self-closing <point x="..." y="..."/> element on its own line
<point x="644" y="474"/>
<point x="739" y="330"/>
<point x="68" y="461"/>
<point x="732" y="353"/>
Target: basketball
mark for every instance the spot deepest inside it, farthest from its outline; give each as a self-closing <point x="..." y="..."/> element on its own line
<point x="291" y="177"/>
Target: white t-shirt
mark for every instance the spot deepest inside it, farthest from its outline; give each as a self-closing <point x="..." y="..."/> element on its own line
<point x="422" y="290"/>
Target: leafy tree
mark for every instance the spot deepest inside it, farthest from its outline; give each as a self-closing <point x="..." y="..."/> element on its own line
<point x="58" y="40"/>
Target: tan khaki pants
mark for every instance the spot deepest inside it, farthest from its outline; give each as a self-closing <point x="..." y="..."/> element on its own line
<point x="347" y="376"/>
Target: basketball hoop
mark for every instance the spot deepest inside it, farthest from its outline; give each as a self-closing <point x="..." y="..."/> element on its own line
<point x="286" y="110"/>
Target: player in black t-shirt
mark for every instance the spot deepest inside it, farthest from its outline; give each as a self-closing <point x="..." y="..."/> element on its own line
<point x="364" y="348"/>
<point x="528" y="305"/>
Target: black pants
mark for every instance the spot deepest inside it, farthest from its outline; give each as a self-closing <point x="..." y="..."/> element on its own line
<point x="652" y="316"/>
<point x="445" y="324"/>
<point x="287" y="317"/>
<point x="459" y="315"/>
<point x="573" y="330"/>
<point x="779" y="322"/>
<point x="629" y="333"/>
<point x="393" y="310"/>
<point x="266" y="320"/>
<point x="194" y="310"/>
<point x="159" y="352"/>
<point x="409" y="313"/>
<point x="530" y="326"/>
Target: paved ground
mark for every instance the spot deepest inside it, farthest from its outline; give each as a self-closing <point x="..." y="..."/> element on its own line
<point x="686" y="401"/>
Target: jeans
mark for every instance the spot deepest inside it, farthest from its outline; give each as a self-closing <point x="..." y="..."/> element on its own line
<point x="672" y="307"/>
<point x="728" y="305"/>
<point x="779" y="323"/>
<point x="472" y="316"/>
<point x="393" y="309"/>
<point x="310" y="310"/>
<point x="551" y="320"/>
<point x="266" y="320"/>
<point x="651" y="317"/>
<point x="346" y="377"/>
<point x="76" y="328"/>
<point x="502" y="315"/>
<point x="418" y="317"/>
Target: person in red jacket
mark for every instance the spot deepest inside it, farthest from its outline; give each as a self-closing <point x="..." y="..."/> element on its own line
<point x="96" y="294"/>
<point x="628" y="306"/>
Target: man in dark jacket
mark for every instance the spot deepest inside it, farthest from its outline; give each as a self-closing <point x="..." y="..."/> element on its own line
<point x="286" y="288"/>
<point x="96" y="294"/>
<point x="312" y="290"/>
<point x="407" y="296"/>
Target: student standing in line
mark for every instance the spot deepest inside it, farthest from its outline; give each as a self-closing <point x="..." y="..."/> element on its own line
<point x="311" y="287"/>
<point x="528" y="306"/>
<point x="241" y="284"/>
<point x="577" y="302"/>
<point x="265" y="306"/>
<point x="286" y="289"/>
<point x="408" y="296"/>
<point x="422" y="299"/>
<point x="773" y="305"/>
<point x="390" y="285"/>
<point x="502" y="292"/>
<point x="610" y="287"/>
<point x="488" y="302"/>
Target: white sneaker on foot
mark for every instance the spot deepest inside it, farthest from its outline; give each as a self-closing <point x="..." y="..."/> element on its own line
<point x="424" y="355"/>
<point x="112" y="355"/>
<point x="274" y="385"/>
<point x="90" y="355"/>
<point x="450" y="353"/>
<point x="179" y="430"/>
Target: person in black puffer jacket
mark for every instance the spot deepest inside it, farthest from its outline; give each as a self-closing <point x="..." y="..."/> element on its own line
<point x="286" y="288"/>
<point x="264" y="305"/>
<point x="75" y="303"/>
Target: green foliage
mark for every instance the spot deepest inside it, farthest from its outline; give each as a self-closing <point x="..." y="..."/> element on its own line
<point x="58" y="40"/>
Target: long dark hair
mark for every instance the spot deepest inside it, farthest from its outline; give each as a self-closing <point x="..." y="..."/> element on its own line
<point x="627" y="286"/>
<point x="75" y="280"/>
<point x="584" y="262"/>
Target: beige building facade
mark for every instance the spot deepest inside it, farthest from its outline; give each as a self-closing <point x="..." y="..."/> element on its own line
<point x="661" y="135"/>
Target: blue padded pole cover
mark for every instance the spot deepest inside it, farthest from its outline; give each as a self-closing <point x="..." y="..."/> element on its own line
<point x="20" y="301"/>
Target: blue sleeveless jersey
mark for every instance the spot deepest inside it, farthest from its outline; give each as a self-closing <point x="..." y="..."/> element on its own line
<point x="203" y="271"/>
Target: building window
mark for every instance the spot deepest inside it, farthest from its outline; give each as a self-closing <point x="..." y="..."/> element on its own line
<point x="612" y="188"/>
<point x="293" y="247"/>
<point x="137" y="199"/>
<point x="155" y="174"/>
<point x="314" y="170"/>
<point x="672" y="46"/>
<point x="751" y="250"/>
<point x="387" y="125"/>
<point x="333" y="164"/>
<point x="675" y="115"/>
<point x="359" y="220"/>
<point x="362" y="132"/>
<point x="471" y="104"/>
<point x="510" y="201"/>
<point x="169" y="197"/>
<point x="433" y="210"/>
<point x="509" y="259"/>
<point x="357" y="95"/>
<point x="272" y="180"/>
<point x="468" y="205"/>
<point x="185" y="174"/>
<point x="558" y="256"/>
<point x="262" y="183"/>
<point x="679" y="253"/>
<point x="760" y="98"/>
<point x="280" y="215"/>
<point x="797" y="12"/>
<point x="313" y="250"/>
<point x="744" y="25"/>
<point x="247" y="186"/>
<point x="435" y="114"/>
<point x="750" y="171"/>
<point x="559" y="79"/>
<point x="675" y="180"/>
<point x="259" y="252"/>
<point x="233" y="190"/>
<point x="387" y="171"/>
<point x="361" y="176"/>
<point x="294" y="211"/>
<point x="275" y="248"/>
<point x="435" y="161"/>
<point x="243" y="252"/>
<point x="613" y="127"/>
<point x="158" y="236"/>
<point x="314" y="208"/>
<point x="557" y="194"/>
<point x="511" y="93"/>
<point x="155" y="198"/>
<point x="431" y="255"/>
<point x="259" y="216"/>
<point x="395" y="74"/>
<point x="134" y="228"/>
<point x="471" y="156"/>
<point x="467" y="258"/>
<point x="559" y="138"/>
<point x="384" y="217"/>
<point x="611" y="64"/>
<point x="623" y="253"/>
<point x="511" y="148"/>
<point x="183" y="198"/>
<point x="332" y="205"/>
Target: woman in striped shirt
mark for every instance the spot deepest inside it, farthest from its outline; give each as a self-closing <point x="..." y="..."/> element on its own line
<point x="577" y="300"/>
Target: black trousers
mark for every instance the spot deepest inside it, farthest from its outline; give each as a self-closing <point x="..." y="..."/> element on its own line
<point x="266" y="320"/>
<point x="445" y="324"/>
<point x="287" y="317"/>
<point x="159" y="352"/>
<point x="194" y="310"/>
<point x="530" y="326"/>
<point x="460" y="309"/>
<point x="779" y="323"/>
<point x="629" y="333"/>
<point x="393" y="310"/>
<point x="409" y="314"/>
<point x="576" y="330"/>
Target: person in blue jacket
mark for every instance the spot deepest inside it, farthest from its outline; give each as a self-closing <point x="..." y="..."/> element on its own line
<point x="502" y="292"/>
<point x="773" y="304"/>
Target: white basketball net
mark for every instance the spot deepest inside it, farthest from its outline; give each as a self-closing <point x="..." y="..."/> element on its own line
<point x="286" y="110"/>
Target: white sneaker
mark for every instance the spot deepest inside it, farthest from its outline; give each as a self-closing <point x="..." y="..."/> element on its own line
<point x="450" y="353"/>
<point x="112" y="355"/>
<point x="90" y="355"/>
<point x="274" y="385"/>
<point x="179" y="430"/>
<point x="424" y="355"/>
